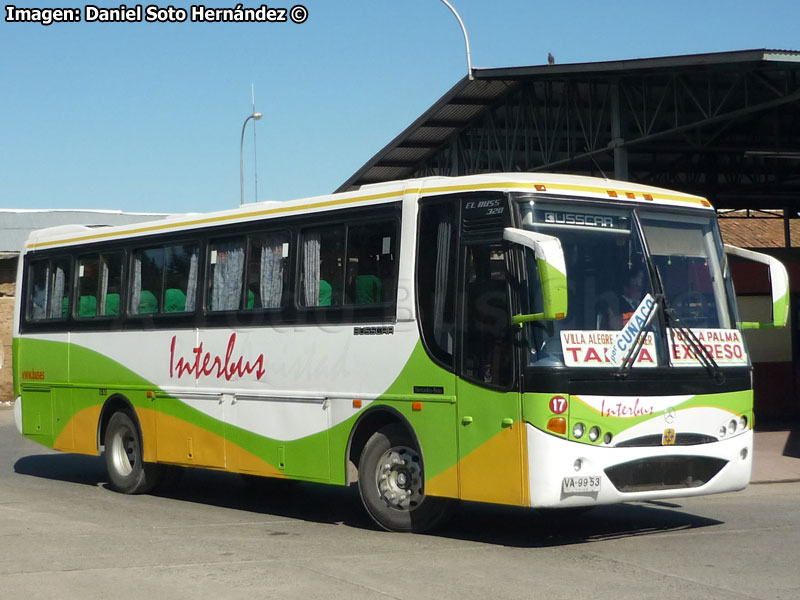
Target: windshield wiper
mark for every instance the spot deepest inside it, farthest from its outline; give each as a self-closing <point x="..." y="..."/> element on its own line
<point x="699" y="351"/>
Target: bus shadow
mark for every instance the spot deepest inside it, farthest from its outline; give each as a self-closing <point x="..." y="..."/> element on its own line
<point x="73" y="468"/>
<point x="313" y="502"/>
<point x="318" y="503"/>
<point x="526" y="528"/>
<point x="291" y="499"/>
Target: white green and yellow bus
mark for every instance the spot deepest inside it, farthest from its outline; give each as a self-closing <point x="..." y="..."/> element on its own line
<point x="522" y="339"/>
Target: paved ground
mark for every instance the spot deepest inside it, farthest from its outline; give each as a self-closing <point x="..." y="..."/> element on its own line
<point x="212" y="535"/>
<point x="776" y="456"/>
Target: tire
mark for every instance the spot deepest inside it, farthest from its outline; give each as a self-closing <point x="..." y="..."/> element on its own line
<point x="391" y="481"/>
<point x="127" y="472"/>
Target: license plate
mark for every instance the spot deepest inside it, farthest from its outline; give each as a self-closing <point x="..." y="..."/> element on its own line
<point x="580" y="485"/>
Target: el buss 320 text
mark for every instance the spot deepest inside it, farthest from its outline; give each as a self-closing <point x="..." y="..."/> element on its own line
<point x="153" y="13"/>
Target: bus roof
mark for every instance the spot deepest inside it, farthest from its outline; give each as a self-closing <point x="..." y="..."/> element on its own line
<point x="552" y="184"/>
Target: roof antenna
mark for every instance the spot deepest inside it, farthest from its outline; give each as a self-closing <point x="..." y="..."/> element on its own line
<point x="591" y="157"/>
<point x="255" y="146"/>
<point x="466" y="38"/>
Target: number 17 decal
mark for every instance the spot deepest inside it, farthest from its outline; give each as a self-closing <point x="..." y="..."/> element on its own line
<point x="558" y="405"/>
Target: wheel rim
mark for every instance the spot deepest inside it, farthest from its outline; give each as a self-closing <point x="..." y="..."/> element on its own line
<point x="123" y="451"/>
<point x="399" y="478"/>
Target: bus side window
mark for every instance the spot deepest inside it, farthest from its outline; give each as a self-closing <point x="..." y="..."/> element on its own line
<point x="61" y="286"/>
<point x="322" y="266"/>
<point x="268" y="258"/>
<point x="88" y="270"/>
<point x="110" y="284"/>
<point x="163" y="280"/>
<point x="370" y="263"/>
<point x="37" y="294"/>
<point x="99" y="284"/>
<point x="180" y="278"/>
<point x="225" y="271"/>
<point x="436" y="276"/>
<point x="49" y="288"/>
<point x="146" y="283"/>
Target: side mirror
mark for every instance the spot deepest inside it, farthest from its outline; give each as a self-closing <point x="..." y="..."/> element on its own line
<point x="780" y="287"/>
<point x="552" y="273"/>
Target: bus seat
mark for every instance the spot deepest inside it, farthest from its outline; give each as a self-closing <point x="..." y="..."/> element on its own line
<point x="325" y="293"/>
<point x="147" y="303"/>
<point x="368" y="289"/>
<point x="87" y="306"/>
<point x="174" y="301"/>
<point x="112" y="304"/>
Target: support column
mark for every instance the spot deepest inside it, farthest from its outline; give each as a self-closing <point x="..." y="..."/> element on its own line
<point x="454" y="158"/>
<point x="617" y="137"/>
<point x="787" y="230"/>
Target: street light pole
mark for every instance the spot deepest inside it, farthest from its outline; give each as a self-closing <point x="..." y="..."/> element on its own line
<point x="466" y="37"/>
<point x="255" y="116"/>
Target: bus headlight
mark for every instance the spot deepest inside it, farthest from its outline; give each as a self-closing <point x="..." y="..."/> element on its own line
<point x="594" y="434"/>
<point x="578" y="430"/>
<point x="743" y="422"/>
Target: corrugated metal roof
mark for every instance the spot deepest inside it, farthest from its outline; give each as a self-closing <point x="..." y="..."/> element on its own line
<point x="468" y="99"/>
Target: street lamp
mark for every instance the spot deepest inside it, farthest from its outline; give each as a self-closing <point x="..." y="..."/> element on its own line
<point x="466" y="37"/>
<point x="255" y="116"/>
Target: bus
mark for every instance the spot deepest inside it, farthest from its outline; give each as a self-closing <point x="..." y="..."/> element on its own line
<point x="521" y="339"/>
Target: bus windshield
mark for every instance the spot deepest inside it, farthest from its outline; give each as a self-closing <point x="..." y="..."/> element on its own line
<point x="609" y="267"/>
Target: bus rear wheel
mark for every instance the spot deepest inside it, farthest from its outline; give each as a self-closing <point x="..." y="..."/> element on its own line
<point x="391" y="481"/>
<point x="127" y="471"/>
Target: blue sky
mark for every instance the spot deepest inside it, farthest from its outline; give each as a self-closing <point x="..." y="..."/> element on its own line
<point x="148" y="116"/>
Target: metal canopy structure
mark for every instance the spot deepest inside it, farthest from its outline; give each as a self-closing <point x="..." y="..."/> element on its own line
<point x="723" y="125"/>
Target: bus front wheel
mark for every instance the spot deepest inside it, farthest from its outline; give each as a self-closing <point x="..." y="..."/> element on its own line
<point x="391" y="482"/>
<point x="127" y="471"/>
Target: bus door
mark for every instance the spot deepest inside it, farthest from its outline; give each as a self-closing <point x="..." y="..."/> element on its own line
<point x="491" y="432"/>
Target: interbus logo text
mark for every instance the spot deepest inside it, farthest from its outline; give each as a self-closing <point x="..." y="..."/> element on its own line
<point x="205" y="364"/>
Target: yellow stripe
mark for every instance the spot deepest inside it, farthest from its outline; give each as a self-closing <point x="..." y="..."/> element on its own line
<point x="219" y="219"/>
<point x="366" y="198"/>
<point x="657" y="195"/>
<point x="499" y="464"/>
<point x="79" y="435"/>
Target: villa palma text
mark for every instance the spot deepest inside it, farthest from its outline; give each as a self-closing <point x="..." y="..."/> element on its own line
<point x="153" y="13"/>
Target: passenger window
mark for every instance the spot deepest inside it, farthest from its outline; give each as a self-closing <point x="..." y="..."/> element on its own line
<point x="436" y="275"/>
<point x="371" y="263"/>
<point x="164" y="280"/>
<point x="37" y="303"/>
<point x="267" y="269"/>
<point x="148" y="267"/>
<point x="322" y="267"/>
<point x="49" y="289"/>
<point x="226" y="266"/>
<point x="354" y="265"/>
<point x="99" y="285"/>
<point x="180" y="278"/>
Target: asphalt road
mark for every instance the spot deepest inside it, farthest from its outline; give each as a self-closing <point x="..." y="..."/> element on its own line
<point x="64" y="535"/>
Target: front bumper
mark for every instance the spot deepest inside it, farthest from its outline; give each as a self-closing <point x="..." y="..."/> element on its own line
<point x="638" y="473"/>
